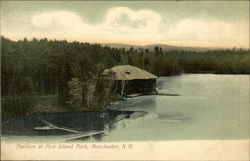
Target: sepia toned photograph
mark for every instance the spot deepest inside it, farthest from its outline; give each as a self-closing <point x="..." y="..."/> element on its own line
<point x="125" y="80"/>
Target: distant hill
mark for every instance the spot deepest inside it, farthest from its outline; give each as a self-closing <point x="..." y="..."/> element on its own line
<point x="164" y="47"/>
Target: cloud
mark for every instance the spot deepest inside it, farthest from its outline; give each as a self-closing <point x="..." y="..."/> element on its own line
<point x="117" y="21"/>
<point x="197" y="29"/>
<point x="56" y="18"/>
<point x="123" y="18"/>
<point x="123" y="24"/>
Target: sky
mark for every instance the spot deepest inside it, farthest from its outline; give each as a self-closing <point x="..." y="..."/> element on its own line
<point x="183" y="23"/>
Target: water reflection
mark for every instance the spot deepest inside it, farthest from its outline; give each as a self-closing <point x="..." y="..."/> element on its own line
<point x="142" y="103"/>
<point x="174" y="118"/>
<point x="77" y="126"/>
<point x="209" y="107"/>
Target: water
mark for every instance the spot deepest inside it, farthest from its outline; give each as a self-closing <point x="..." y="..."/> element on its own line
<point x="209" y="107"/>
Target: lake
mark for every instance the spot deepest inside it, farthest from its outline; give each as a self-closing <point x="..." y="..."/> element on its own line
<point x="209" y="107"/>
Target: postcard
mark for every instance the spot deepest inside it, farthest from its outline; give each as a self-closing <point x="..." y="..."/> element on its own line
<point x="125" y="80"/>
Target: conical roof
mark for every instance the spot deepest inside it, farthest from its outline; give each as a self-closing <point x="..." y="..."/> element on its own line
<point x="127" y="72"/>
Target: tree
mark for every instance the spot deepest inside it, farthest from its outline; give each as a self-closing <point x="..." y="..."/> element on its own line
<point x="75" y="92"/>
<point x="123" y="83"/>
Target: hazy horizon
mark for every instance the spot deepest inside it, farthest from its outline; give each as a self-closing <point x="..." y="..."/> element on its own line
<point x="125" y="44"/>
<point x="185" y="23"/>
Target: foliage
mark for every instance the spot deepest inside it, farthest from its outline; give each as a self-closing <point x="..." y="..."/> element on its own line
<point x="72" y="70"/>
<point x="75" y="91"/>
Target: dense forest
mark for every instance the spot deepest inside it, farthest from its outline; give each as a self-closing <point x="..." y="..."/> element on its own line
<point x="71" y="71"/>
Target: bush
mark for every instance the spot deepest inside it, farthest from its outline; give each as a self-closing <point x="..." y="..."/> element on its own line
<point x="18" y="106"/>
